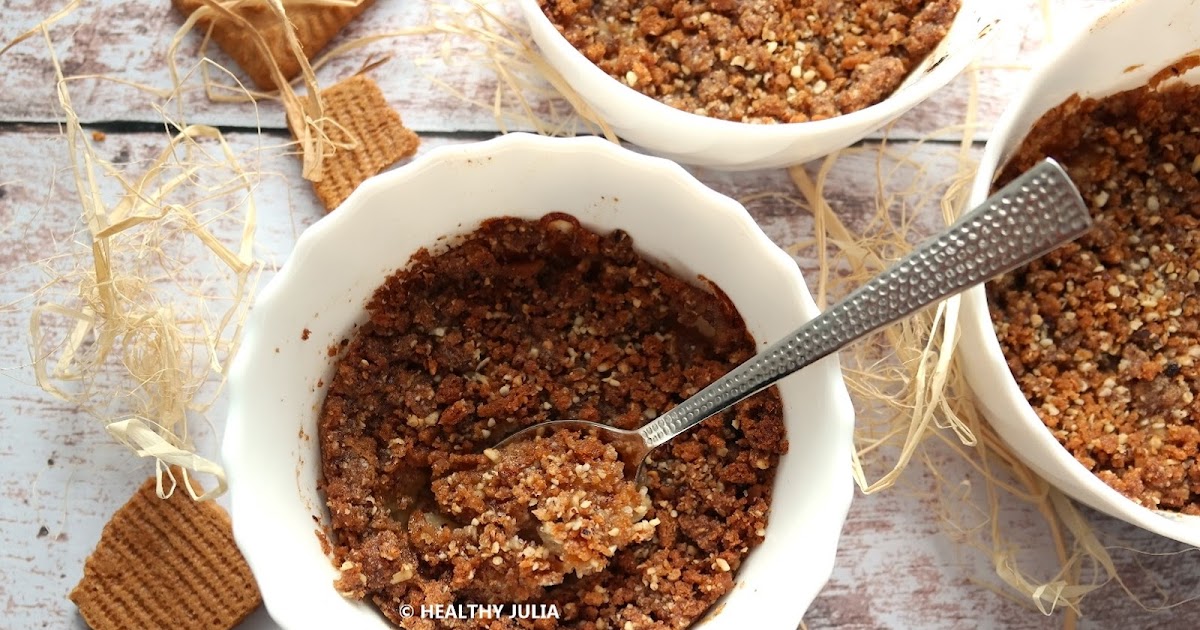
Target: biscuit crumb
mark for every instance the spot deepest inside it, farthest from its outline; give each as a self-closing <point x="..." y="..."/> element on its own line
<point x="757" y="61"/>
<point x="1102" y="334"/>
<point x="551" y="524"/>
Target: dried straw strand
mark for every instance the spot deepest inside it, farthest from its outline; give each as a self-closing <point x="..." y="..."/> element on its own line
<point x="109" y="333"/>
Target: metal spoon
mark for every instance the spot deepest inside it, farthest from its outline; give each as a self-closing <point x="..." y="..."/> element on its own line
<point x="1036" y="213"/>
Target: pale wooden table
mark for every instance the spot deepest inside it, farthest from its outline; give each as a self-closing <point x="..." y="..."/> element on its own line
<point x="61" y="476"/>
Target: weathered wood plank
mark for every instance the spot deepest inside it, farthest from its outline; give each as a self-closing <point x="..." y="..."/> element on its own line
<point x="129" y="40"/>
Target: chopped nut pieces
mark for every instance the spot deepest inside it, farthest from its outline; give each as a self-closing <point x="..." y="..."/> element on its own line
<point x="1103" y="335"/>
<point x="588" y="511"/>
<point x="519" y="323"/>
<point x="361" y="115"/>
<point x="315" y="27"/>
<point x="757" y="60"/>
<point x="166" y="563"/>
<point x="540" y="510"/>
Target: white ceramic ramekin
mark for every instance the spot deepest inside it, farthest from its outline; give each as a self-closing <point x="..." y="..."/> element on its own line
<point x="270" y="449"/>
<point x="703" y="141"/>
<point x="1120" y="51"/>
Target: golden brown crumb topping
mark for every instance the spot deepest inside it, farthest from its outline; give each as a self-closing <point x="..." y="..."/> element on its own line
<point x="1103" y="334"/>
<point x="519" y="323"/>
<point x="757" y="60"/>
<point x="538" y="510"/>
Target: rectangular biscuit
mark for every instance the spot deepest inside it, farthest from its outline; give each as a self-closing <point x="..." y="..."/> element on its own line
<point x="315" y="26"/>
<point x="166" y="563"/>
<point x="358" y="107"/>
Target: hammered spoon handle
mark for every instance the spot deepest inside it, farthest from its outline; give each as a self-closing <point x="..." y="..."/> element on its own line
<point x="1036" y="213"/>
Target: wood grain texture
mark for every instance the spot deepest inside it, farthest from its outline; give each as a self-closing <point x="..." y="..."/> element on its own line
<point x="61" y="476"/>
